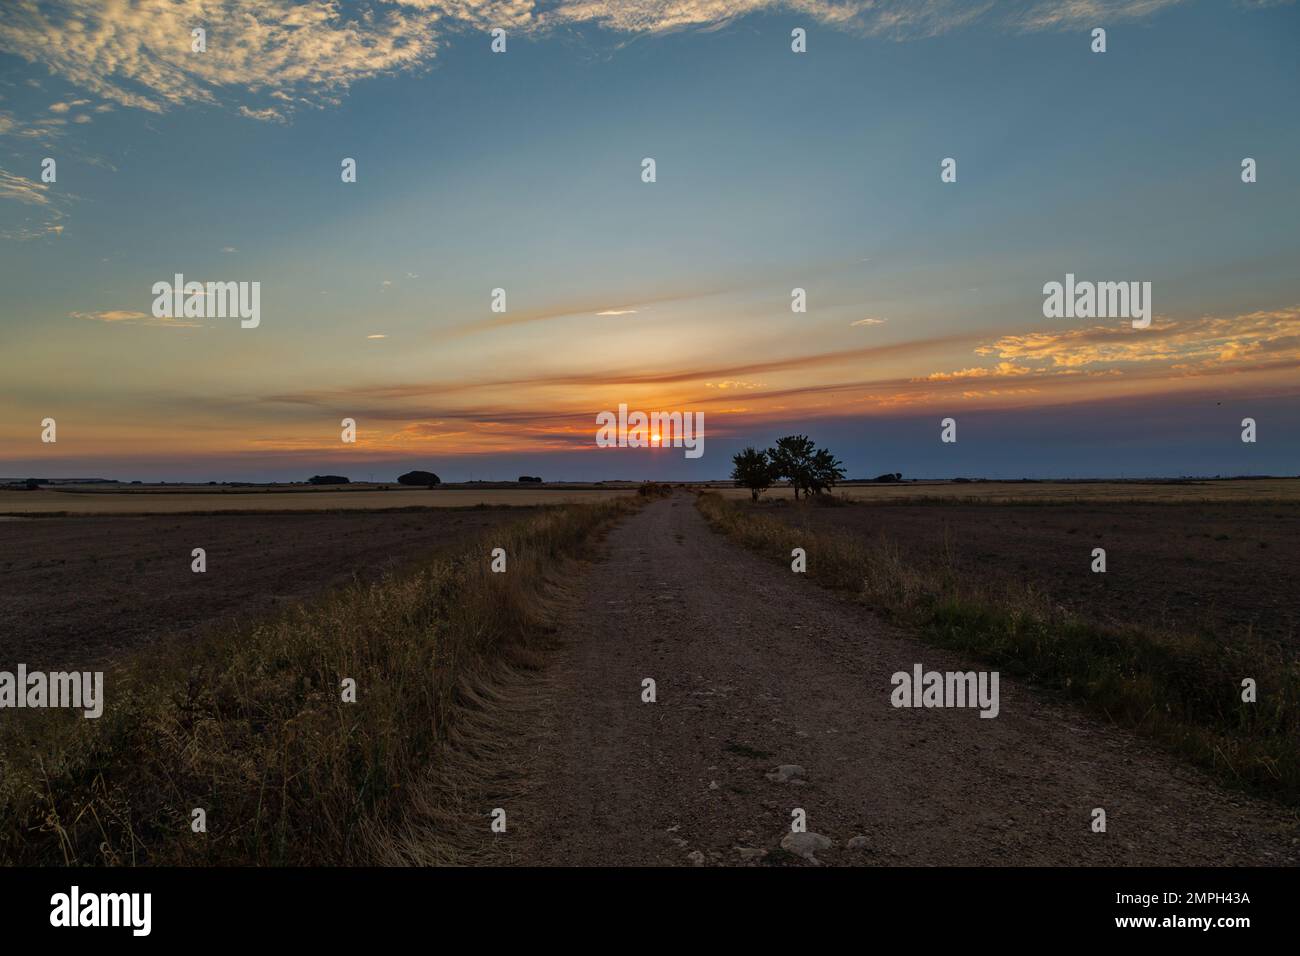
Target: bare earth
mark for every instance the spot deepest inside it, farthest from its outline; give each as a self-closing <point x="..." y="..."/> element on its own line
<point x="1189" y="490"/>
<point x="1225" y="569"/>
<point x="757" y="667"/>
<point x="89" y="589"/>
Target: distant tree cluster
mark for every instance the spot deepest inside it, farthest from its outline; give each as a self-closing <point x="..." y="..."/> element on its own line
<point x="523" y="478"/>
<point x="426" y="478"/>
<point x="794" y="459"/>
<point x="326" y="480"/>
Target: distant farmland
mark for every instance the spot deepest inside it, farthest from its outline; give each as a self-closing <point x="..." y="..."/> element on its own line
<point x="1261" y="489"/>
<point x="172" y="499"/>
<point x="107" y="499"/>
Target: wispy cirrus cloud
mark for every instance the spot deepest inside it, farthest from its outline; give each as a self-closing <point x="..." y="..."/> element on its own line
<point x="110" y="315"/>
<point x="43" y="220"/>
<point x="1061" y="14"/>
<point x="130" y="317"/>
<point x="23" y="190"/>
<point x="899" y="19"/>
<point x="43" y="131"/>
<point x="873" y="17"/>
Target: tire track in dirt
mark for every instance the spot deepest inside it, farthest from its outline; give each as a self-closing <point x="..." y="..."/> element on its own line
<point x="755" y="667"/>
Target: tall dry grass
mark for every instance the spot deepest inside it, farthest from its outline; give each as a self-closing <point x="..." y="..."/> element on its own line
<point x="250" y="725"/>
<point x="1181" y="689"/>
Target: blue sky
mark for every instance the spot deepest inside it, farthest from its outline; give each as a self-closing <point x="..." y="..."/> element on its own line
<point x="774" y="170"/>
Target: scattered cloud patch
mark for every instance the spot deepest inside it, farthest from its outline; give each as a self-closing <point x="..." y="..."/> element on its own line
<point x="1216" y="339"/>
<point x="138" y="54"/>
<point x="267" y="114"/>
<point x="64" y="107"/>
<point x="1211" y="344"/>
<point x="1002" y="370"/>
<point x="267" y="58"/>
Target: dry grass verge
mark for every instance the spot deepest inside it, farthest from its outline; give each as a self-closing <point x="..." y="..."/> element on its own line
<point x="250" y="726"/>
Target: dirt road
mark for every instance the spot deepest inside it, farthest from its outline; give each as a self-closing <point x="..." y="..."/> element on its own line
<point x="757" y="667"/>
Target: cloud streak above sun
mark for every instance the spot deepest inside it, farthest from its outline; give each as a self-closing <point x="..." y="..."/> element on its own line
<point x="1258" y="351"/>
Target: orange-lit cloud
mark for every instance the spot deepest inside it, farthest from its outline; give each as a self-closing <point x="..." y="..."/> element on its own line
<point x="1002" y="369"/>
<point x="1274" y="335"/>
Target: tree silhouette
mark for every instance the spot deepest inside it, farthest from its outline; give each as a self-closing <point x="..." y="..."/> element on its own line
<point x="753" y="470"/>
<point x="792" y="460"/>
<point x="826" y="471"/>
<point x="426" y="478"/>
<point x="808" y="468"/>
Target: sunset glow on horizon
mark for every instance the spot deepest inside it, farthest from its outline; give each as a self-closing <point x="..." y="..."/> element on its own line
<point x="774" y="173"/>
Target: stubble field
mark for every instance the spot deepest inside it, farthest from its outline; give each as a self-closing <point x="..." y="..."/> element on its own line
<point x="1227" y="568"/>
<point x="82" y="590"/>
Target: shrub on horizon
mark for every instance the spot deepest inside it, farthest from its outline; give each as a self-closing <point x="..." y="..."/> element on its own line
<point x="426" y="478"/>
